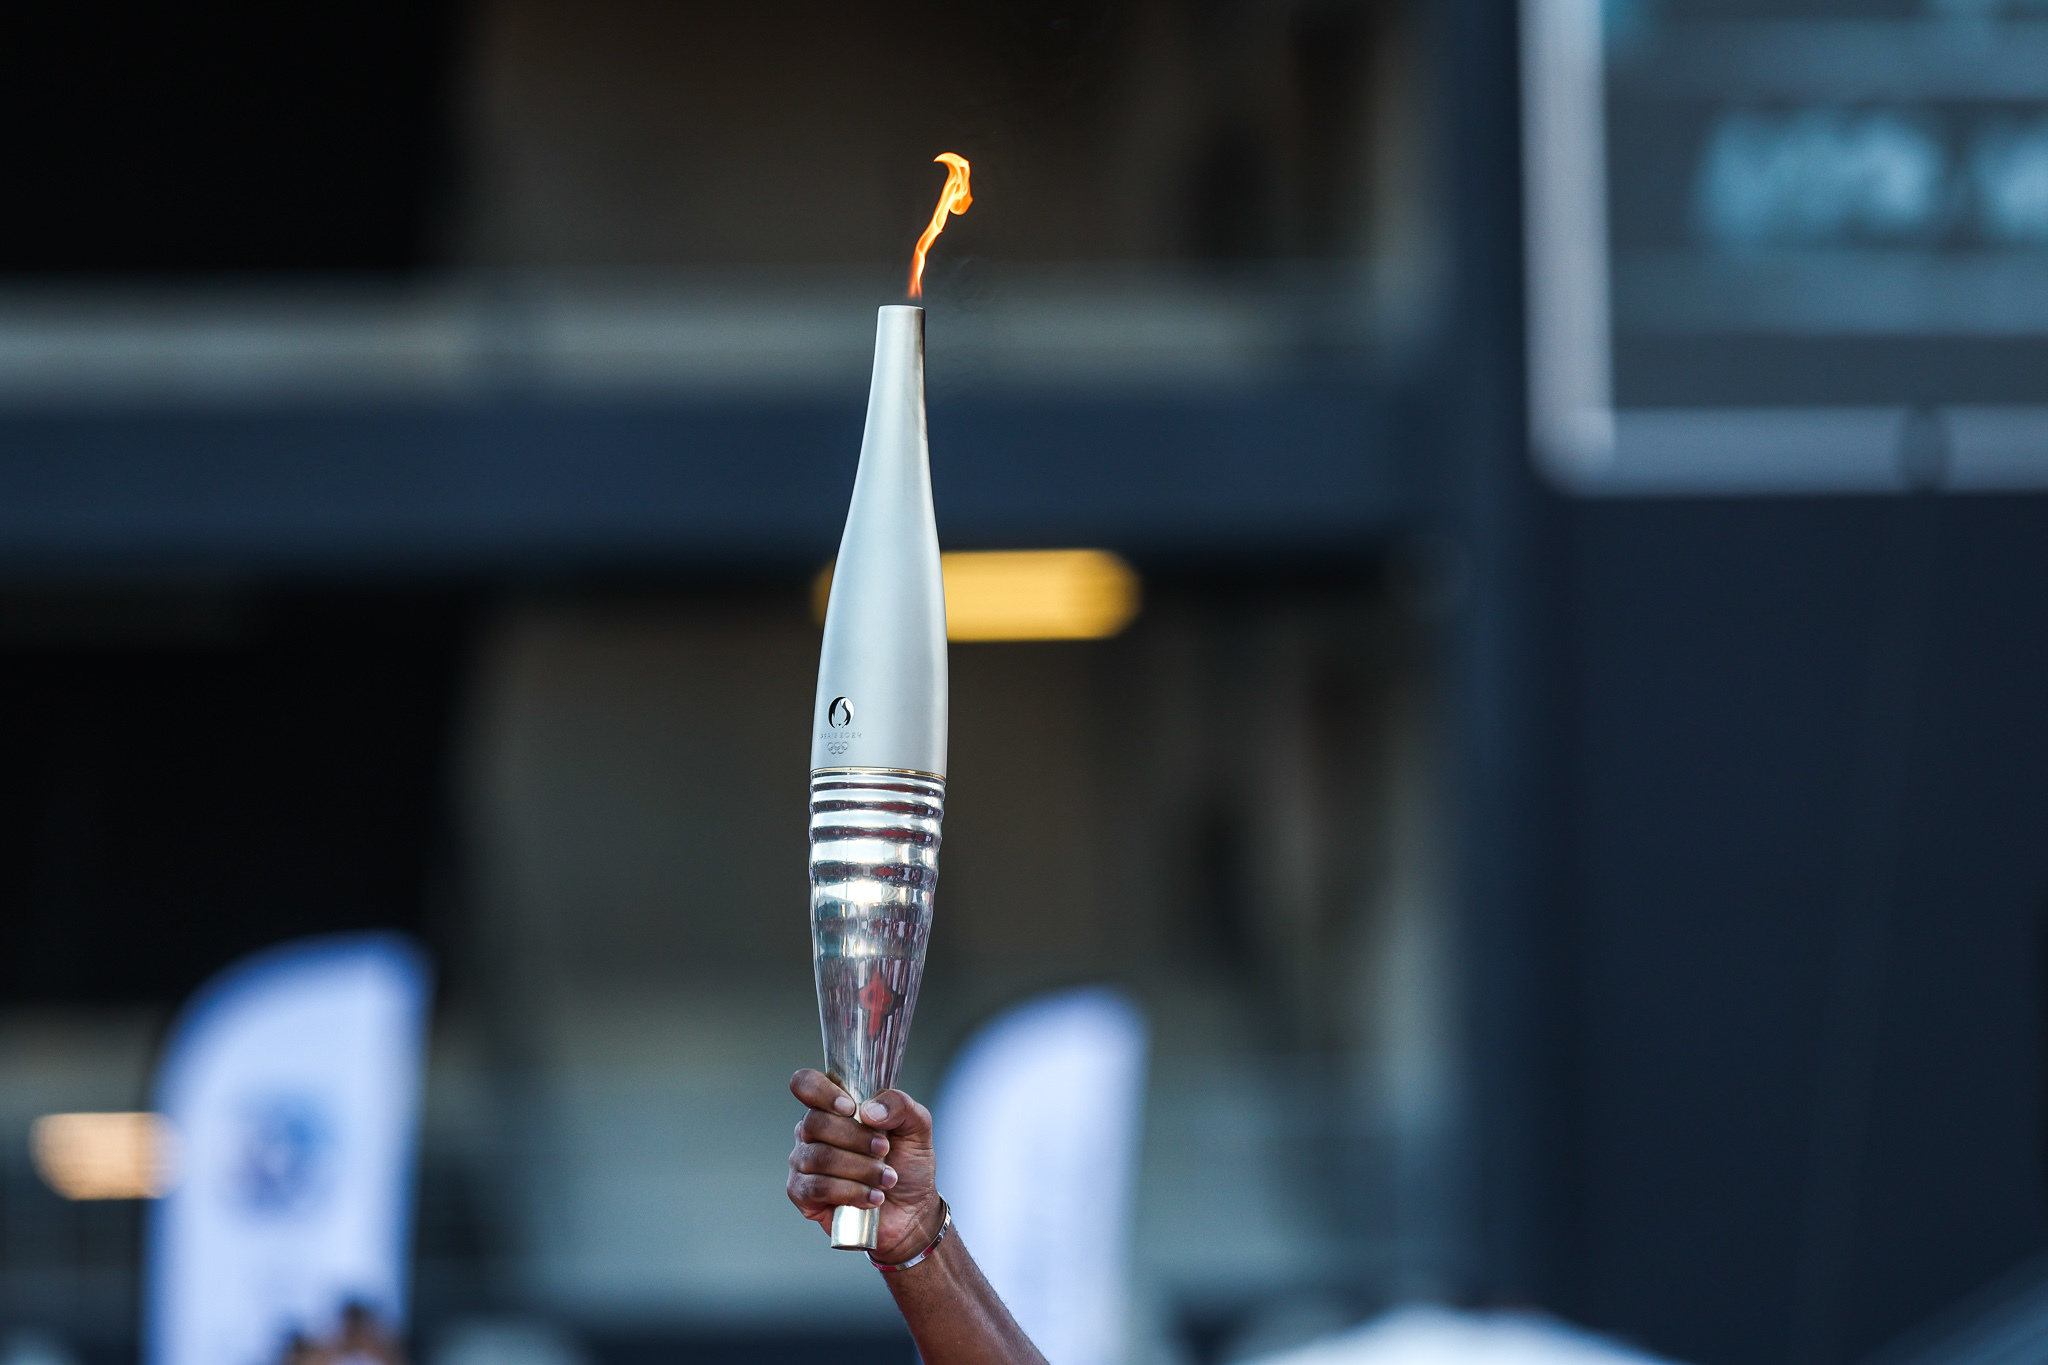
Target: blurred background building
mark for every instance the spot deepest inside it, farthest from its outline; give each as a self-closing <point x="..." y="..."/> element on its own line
<point x="421" y="427"/>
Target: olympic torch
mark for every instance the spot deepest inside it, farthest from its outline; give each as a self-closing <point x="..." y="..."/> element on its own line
<point x="878" y="742"/>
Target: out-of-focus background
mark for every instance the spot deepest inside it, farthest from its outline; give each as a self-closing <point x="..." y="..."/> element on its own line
<point x="1570" y="803"/>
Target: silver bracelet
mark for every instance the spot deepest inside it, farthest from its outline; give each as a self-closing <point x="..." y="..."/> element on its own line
<point x="945" y="1226"/>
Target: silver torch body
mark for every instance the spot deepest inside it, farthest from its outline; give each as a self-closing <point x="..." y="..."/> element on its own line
<point x="878" y="744"/>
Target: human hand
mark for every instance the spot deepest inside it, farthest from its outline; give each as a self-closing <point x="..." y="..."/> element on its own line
<point x="885" y="1158"/>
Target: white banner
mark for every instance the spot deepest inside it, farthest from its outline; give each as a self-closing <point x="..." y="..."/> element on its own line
<point x="291" y="1083"/>
<point x="1046" y="1206"/>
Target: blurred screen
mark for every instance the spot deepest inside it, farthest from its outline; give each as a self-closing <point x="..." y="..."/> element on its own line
<point x="1832" y="215"/>
<point x="1828" y="202"/>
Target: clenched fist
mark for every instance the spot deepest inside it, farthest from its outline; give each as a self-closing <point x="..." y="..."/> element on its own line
<point x="881" y="1155"/>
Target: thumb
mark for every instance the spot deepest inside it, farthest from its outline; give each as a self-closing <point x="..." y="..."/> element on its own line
<point x="892" y="1111"/>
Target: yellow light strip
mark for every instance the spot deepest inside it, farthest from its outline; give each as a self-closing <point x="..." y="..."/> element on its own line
<point x="1027" y="594"/>
<point x="103" y="1156"/>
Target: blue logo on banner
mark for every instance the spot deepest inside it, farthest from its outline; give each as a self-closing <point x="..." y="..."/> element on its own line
<point x="286" y="1155"/>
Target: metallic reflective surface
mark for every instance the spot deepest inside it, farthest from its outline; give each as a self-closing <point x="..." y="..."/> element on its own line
<point x="855" y="1229"/>
<point x="882" y="680"/>
<point x="874" y="867"/>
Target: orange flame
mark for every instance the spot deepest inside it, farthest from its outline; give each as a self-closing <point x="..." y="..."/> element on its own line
<point x="952" y="199"/>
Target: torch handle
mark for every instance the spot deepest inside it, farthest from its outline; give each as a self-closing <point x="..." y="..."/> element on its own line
<point x="855" y="1229"/>
<point x="874" y="863"/>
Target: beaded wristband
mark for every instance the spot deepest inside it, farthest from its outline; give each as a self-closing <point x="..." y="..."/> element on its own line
<point x="945" y="1226"/>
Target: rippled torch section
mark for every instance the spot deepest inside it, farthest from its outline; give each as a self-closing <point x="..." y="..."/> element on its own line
<point x="874" y="864"/>
<point x="878" y="743"/>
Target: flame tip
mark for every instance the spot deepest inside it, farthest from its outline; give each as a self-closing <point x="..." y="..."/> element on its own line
<point x="954" y="198"/>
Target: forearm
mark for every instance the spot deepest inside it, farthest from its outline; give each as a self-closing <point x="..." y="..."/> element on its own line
<point x="954" y="1314"/>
